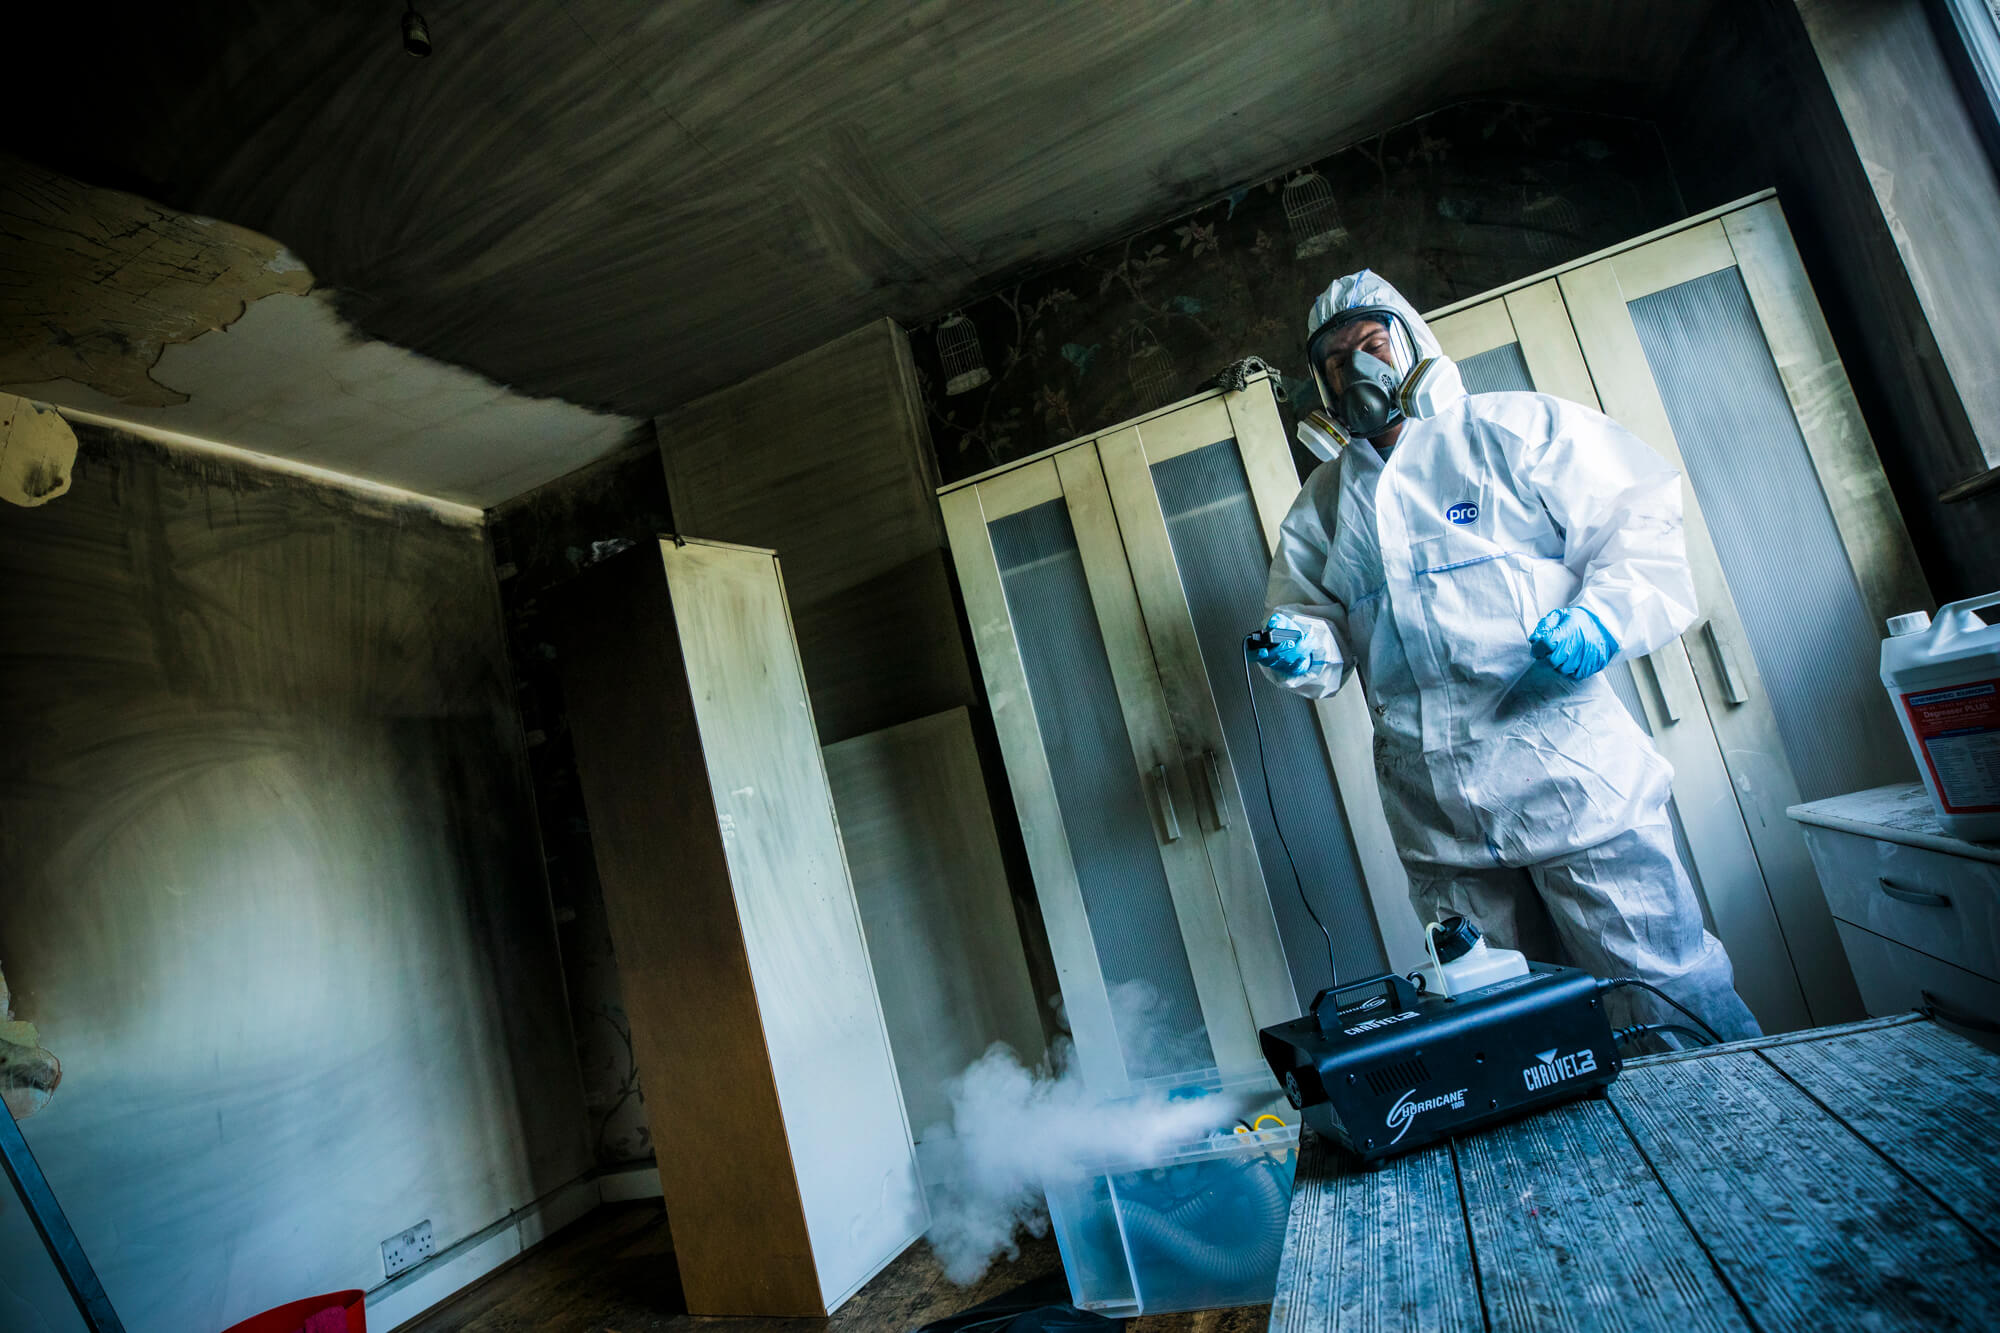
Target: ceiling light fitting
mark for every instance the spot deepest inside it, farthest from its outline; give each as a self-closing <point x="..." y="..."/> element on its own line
<point x="416" y="33"/>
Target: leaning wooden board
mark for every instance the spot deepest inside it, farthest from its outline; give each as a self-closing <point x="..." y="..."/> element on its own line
<point x="1846" y="1177"/>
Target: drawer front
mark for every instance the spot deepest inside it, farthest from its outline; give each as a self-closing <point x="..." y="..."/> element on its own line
<point x="1944" y="905"/>
<point x="1894" y="980"/>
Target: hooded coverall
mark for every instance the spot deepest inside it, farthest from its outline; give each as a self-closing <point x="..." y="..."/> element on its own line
<point x="1518" y="797"/>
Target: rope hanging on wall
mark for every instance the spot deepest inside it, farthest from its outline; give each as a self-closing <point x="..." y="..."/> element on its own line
<point x="1233" y="377"/>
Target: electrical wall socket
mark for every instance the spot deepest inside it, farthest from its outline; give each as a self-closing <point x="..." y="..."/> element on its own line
<point x="408" y="1249"/>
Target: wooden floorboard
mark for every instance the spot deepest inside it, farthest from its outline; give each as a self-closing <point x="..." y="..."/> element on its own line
<point x="614" y="1272"/>
<point x="1810" y="1227"/>
<point x="1928" y="1100"/>
<point x="1572" y="1231"/>
<point x="1375" y="1250"/>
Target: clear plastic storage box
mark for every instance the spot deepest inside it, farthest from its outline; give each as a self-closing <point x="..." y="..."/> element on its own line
<point x="1199" y="1227"/>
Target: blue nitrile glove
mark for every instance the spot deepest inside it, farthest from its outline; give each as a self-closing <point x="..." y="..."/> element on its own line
<point x="1575" y="642"/>
<point x="1289" y="658"/>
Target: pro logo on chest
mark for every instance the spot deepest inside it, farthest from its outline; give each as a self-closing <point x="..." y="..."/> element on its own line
<point x="1463" y="512"/>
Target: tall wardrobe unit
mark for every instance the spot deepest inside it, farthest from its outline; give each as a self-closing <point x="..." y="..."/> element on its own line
<point x="784" y="1149"/>
<point x="1705" y="340"/>
<point x="1110" y="583"/>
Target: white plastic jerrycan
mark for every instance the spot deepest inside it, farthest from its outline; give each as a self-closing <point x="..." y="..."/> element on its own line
<point x="1944" y="683"/>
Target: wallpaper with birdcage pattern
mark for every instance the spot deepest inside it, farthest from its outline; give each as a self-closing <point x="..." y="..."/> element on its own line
<point x="1446" y="206"/>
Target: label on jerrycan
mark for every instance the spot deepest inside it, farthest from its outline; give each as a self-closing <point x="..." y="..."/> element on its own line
<point x="1958" y="729"/>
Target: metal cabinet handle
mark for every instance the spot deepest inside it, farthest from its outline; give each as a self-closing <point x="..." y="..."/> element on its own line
<point x="1955" y="1016"/>
<point x="1732" y="683"/>
<point x="1918" y="897"/>
<point x="1165" y="796"/>
<point x="1215" y="789"/>
<point x="1667" y="708"/>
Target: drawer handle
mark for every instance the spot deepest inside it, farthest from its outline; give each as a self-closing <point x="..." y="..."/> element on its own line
<point x="1215" y="789"/>
<point x="1916" y="897"/>
<point x="1667" y="709"/>
<point x="1725" y="665"/>
<point x="1955" y="1016"/>
<point x="1164" y="795"/>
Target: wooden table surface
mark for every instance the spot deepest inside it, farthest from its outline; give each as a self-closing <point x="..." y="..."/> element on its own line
<point x="1840" y="1178"/>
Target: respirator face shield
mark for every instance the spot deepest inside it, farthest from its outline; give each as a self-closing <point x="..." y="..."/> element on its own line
<point x="1362" y="384"/>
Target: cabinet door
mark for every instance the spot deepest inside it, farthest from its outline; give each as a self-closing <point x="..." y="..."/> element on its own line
<point x="1709" y="345"/>
<point x="1106" y="804"/>
<point x="1200" y="556"/>
<point x="1524" y="341"/>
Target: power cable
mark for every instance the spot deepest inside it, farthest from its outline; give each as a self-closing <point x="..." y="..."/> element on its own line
<point x="1616" y="982"/>
<point x="1250" y="689"/>
<point x="1638" y="1030"/>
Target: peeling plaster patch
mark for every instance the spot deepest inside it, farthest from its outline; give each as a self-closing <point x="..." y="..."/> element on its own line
<point x="119" y="311"/>
<point x="29" y="1072"/>
<point x="292" y="380"/>
<point x="96" y="284"/>
<point x="37" y="451"/>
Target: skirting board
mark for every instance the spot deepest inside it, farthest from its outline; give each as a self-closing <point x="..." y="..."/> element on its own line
<point x="441" y="1277"/>
<point x="635" y="1182"/>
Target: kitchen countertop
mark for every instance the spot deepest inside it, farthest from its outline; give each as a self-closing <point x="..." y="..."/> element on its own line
<point x="1899" y="813"/>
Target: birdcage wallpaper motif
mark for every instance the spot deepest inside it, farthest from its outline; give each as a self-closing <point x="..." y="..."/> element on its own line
<point x="1151" y="367"/>
<point x="958" y="351"/>
<point x="1552" y="224"/>
<point x="1312" y="215"/>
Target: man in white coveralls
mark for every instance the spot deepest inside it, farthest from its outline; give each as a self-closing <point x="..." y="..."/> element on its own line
<point x="1481" y="558"/>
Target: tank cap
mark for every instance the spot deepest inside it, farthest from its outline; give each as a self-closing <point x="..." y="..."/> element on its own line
<point x="1916" y="622"/>
<point x="1455" y="936"/>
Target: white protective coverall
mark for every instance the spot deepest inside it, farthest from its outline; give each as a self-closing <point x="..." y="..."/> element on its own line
<point x="1502" y="779"/>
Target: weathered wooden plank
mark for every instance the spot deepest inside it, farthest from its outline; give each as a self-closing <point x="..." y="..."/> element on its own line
<point x="1572" y="1230"/>
<point x="1810" y="1227"/>
<point x="1929" y="1100"/>
<point x="1375" y="1250"/>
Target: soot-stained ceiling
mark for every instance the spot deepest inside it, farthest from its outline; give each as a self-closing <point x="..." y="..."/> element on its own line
<point x="628" y="205"/>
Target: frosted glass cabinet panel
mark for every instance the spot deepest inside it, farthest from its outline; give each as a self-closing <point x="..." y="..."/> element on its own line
<point x="1813" y="640"/>
<point x="1192" y="525"/>
<point x="1103" y="800"/>
<point x="1108" y="801"/>
<point x="1110" y="584"/>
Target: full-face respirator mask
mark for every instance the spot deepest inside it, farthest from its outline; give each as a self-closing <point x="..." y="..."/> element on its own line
<point x="1365" y="394"/>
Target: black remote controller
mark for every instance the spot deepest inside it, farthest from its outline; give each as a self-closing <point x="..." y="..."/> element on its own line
<point x="1267" y="638"/>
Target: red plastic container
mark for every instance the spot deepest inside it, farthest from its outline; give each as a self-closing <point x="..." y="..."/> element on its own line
<point x="291" y="1318"/>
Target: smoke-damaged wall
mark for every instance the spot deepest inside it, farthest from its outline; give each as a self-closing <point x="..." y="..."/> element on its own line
<point x="1446" y="206"/>
<point x="1762" y="72"/>
<point x="541" y="542"/>
<point x="273" y="896"/>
